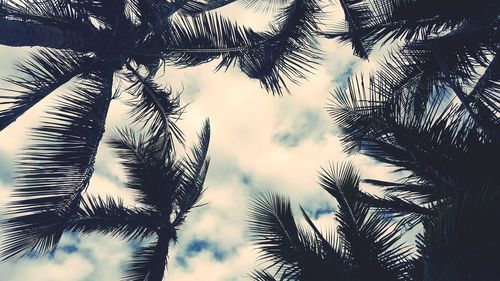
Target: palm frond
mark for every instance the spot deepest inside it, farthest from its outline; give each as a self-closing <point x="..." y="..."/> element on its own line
<point x="39" y="233"/>
<point x="199" y="39"/>
<point x="262" y="275"/>
<point x="106" y="11"/>
<point x="265" y="6"/>
<point x="484" y="95"/>
<point x="50" y="12"/>
<point x="288" y="51"/>
<point x="195" y="169"/>
<point x="153" y="175"/>
<point x="459" y="54"/>
<point x="138" y="268"/>
<point x="56" y="168"/>
<point x="282" y="243"/>
<point x="389" y="131"/>
<point x="332" y="250"/>
<point x="357" y="15"/>
<point x="46" y="71"/>
<point x="110" y="217"/>
<point x="417" y="20"/>
<point x="371" y="244"/>
<point x="195" y="7"/>
<point x="155" y="108"/>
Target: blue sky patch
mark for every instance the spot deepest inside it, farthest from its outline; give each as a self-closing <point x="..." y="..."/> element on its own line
<point x="198" y="246"/>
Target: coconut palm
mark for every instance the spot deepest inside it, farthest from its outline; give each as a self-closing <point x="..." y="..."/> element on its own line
<point x="365" y="246"/>
<point x="166" y="189"/>
<point x="444" y="43"/>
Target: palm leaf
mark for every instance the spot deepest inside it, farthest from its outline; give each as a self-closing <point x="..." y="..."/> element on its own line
<point x="262" y="275"/>
<point x="195" y="169"/>
<point x="47" y="70"/>
<point x="155" y="108"/>
<point x="139" y="266"/>
<point x="153" y="175"/>
<point x="416" y="20"/>
<point x="357" y="15"/>
<point x="288" y="51"/>
<point x="56" y="168"/>
<point x="50" y="12"/>
<point x="282" y="243"/>
<point x="36" y="233"/>
<point x="371" y="245"/>
<point x="196" y="40"/>
<point x="40" y="232"/>
<point x="441" y="137"/>
<point x="195" y="7"/>
<point x="110" y="217"/>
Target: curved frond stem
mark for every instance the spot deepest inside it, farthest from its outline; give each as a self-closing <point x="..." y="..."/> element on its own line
<point x="159" y="107"/>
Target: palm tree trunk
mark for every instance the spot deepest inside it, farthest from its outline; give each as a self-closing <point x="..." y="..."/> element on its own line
<point x="159" y="261"/>
<point x="17" y="33"/>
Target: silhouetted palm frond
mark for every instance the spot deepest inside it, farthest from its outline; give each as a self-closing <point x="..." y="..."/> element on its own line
<point x="152" y="174"/>
<point x="262" y="275"/>
<point x="195" y="40"/>
<point x="195" y="7"/>
<point x="155" y="108"/>
<point x="289" y="50"/>
<point x="357" y="15"/>
<point x="139" y="266"/>
<point x="45" y="72"/>
<point x="294" y="251"/>
<point x="458" y="55"/>
<point x="39" y="233"/>
<point x="195" y="168"/>
<point x="36" y="233"/>
<point x="110" y="217"/>
<point x="51" y="12"/>
<point x="370" y="241"/>
<point x="442" y="137"/>
<point x="485" y="91"/>
<point x="368" y="245"/>
<point x="416" y="20"/>
<point x="432" y="147"/>
<point x="57" y="167"/>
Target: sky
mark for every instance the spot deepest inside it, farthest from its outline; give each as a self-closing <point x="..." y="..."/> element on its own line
<point x="259" y="142"/>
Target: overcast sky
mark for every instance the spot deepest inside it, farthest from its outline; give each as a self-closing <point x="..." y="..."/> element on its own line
<point x="259" y="142"/>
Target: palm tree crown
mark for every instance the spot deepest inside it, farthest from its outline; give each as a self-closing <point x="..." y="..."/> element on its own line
<point x="166" y="189"/>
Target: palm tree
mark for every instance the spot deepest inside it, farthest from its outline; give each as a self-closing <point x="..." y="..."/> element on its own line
<point x="166" y="190"/>
<point x="444" y="43"/>
<point x="365" y="246"/>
